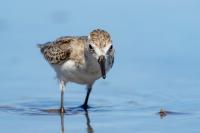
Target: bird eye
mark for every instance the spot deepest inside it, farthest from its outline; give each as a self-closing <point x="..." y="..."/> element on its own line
<point x="111" y="48"/>
<point x="91" y="48"/>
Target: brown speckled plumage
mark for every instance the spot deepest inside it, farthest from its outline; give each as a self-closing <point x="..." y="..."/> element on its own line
<point x="100" y="38"/>
<point x="71" y="47"/>
<point x="63" y="49"/>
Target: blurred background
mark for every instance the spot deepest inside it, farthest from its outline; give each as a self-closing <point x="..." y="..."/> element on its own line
<point x="157" y="65"/>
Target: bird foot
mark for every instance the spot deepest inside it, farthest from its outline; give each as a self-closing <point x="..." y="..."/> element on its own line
<point x="62" y="110"/>
<point x="85" y="106"/>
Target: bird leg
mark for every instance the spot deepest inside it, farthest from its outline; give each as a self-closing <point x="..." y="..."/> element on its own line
<point x="62" y="86"/>
<point x="85" y="104"/>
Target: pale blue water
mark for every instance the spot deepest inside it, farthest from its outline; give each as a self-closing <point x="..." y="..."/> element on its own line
<point x="157" y="66"/>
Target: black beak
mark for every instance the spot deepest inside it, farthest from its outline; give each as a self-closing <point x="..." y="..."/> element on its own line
<point x="102" y="61"/>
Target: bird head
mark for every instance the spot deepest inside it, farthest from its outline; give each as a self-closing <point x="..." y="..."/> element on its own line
<point x="99" y="46"/>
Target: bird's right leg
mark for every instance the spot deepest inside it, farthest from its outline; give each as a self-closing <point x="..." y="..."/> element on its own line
<point x="62" y="87"/>
<point x="85" y="104"/>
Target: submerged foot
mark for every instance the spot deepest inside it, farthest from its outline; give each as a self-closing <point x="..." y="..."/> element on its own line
<point x="85" y="106"/>
<point x="62" y="110"/>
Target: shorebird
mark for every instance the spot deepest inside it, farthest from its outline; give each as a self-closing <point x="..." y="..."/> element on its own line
<point x="80" y="59"/>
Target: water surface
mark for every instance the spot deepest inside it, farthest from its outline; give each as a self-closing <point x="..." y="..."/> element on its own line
<point x="156" y="67"/>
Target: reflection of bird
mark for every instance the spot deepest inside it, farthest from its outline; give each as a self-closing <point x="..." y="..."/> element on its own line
<point x="89" y="127"/>
<point x="62" y="122"/>
<point x="81" y="59"/>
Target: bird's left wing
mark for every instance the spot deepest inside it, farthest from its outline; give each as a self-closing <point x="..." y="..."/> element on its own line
<point x="58" y="51"/>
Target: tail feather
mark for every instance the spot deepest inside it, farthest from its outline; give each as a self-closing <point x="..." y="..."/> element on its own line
<point x="43" y="46"/>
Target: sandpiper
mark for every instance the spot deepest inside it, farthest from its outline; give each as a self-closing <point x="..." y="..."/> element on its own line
<point x="80" y="59"/>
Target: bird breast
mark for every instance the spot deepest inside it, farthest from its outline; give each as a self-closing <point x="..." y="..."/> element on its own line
<point x="82" y="74"/>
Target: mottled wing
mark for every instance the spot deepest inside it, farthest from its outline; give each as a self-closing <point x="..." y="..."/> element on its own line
<point x="57" y="52"/>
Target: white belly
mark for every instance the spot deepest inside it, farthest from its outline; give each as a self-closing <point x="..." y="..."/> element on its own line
<point x="69" y="72"/>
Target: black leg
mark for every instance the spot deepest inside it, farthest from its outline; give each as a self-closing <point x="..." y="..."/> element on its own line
<point x="85" y="104"/>
<point x="89" y="127"/>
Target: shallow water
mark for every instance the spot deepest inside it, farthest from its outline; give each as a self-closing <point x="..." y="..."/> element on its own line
<point x="156" y="67"/>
